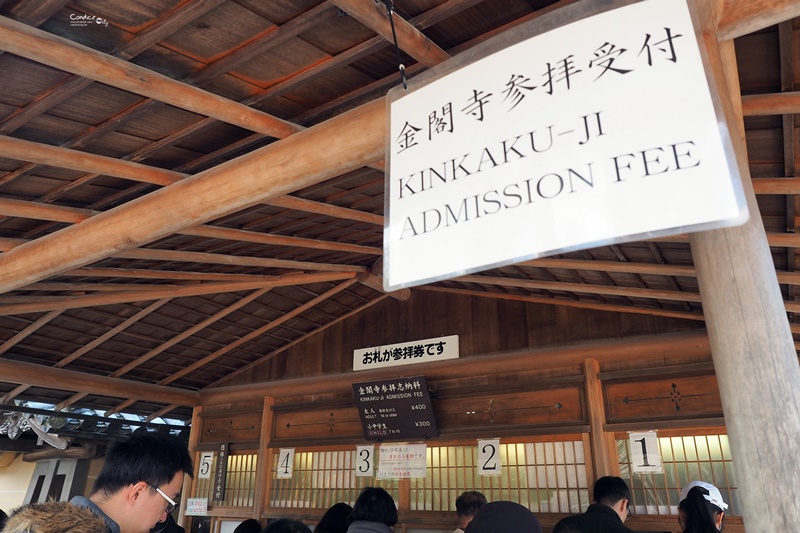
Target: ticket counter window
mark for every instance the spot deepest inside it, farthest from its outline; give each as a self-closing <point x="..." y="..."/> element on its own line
<point x="685" y="458"/>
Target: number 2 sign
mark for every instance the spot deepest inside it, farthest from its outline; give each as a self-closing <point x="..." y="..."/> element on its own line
<point x="489" y="463"/>
<point x="645" y="453"/>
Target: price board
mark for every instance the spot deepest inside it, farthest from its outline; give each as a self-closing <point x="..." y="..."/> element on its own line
<point x="396" y="409"/>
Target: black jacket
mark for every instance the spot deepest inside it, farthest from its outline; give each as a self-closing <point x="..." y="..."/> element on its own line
<point x="598" y="518"/>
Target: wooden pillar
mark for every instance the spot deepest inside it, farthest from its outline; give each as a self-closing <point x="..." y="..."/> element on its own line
<point x="263" y="481"/>
<point x="189" y="484"/>
<point x="603" y="446"/>
<point x="752" y="347"/>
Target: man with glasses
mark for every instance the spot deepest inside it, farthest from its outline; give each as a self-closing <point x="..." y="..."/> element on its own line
<point x="140" y="482"/>
<point x="608" y="513"/>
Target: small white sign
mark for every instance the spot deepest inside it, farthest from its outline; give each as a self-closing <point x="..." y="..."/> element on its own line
<point x="489" y="463"/>
<point x="645" y="453"/>
<point x="365" y="461"/>
<point x="406" y="353"/>
<point x="196" y="507"/>
<point x="402" y="461"/>
<point x="285" y="463"/>
<point x="204" y="467"/>
<point x="596" y="132"/>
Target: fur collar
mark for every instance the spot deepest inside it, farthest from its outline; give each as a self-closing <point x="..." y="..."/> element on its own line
<point x="54" y="517"/>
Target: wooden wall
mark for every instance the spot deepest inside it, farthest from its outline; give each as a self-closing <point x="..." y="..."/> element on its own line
<point x="484" y="326"/>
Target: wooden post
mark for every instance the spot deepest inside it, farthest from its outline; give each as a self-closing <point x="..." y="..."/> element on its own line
<point x="603" y="446"/>
<point x="263" y="480"/>
<point x="190" y="484"/>
<point x="751" y="345"/>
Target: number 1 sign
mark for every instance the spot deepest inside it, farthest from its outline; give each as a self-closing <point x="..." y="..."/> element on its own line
<point x="645" y="453"/>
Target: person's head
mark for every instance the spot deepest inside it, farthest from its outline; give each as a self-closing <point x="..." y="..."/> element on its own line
<point x="374" y="505"/>
<point x="504" y="517"/>
<point x="285" y="525"/>
<point x="3" y="518"/>
<point x="141" y="479"/>
<point x="701" y="508"/>
<point x="251" y="525"/>
<point x="335" y="519"/>
<point x="613" y="492"/>
<point x="467" y="505"/>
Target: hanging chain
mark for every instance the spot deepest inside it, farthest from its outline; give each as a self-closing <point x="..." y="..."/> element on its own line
<point x="401" y="66"/>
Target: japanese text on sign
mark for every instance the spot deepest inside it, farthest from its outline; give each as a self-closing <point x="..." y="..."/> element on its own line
<point x="402" y="461"/>
<point x="580" y="135"/>
<point x="422" y="351"/>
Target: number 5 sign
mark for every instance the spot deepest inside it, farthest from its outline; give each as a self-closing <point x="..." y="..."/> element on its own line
<point x="645" y="453"/>
<point x="204" y="468"/>
<point x="489" y="463"/>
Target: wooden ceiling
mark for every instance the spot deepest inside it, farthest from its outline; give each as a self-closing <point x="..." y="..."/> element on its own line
<point x="116" y="268"/>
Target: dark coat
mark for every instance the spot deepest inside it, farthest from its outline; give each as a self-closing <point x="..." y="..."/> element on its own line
<point x="598" y="518"/>
<point x="54" y="517"/>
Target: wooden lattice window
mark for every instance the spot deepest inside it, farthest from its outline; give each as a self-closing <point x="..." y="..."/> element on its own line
<point x="320" y="479"/>
<point x="239" y="482"/>
<point x="685" y="459"/>
<point x="544" y="476"/>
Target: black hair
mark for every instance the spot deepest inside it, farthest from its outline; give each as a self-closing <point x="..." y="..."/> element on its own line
<point x="374" y="505"/>
<point x="251" y="525"/>
<point x="608" y="490"/>
<point x="469" y="502"/>
<point x="335" y="519"/>
<point x="3" y="519"/>
<point x="286" y="525"/>
<point x="151" y="457"/>
<point x="699" y="514"/>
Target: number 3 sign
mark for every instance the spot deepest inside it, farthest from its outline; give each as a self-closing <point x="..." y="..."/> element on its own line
<point x="645" y="453"/>
<point x="489" y="463"/>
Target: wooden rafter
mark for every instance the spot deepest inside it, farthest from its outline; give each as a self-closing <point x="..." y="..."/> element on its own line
<point x="409" y="39"/>
<point x="63" y="54"/>
<point x="173" y="341"/>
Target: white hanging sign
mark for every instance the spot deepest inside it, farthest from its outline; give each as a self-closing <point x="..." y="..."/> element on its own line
<point x="489" y="463"/>
<point x="645" y="453"/>
<point x="402" y="461"/>
<point x="285" y="463"/>
<point x="204" y="467"/>
<point x="365" y="461"/>
<point x="600" y="131"/>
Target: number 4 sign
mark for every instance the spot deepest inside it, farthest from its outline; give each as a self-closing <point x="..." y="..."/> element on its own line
<point x="489" y="463"/>
<point x="285" y="463"/>
<point x="645" y="453"/>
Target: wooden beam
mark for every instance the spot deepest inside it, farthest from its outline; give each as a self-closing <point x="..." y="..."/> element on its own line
<point x="332" y="148"/>
<point x="771" y="104"/>
<point x="73" y="215"/>
<point x="684" y="344"/>
<point x="584" y="288"/>
<point x="44" y="154"/>
<point x="409" y="39"/>
<point x="69" y="56"/>
<point x="61" y="379"/>
<point x="580" y="304"/>
<point x="740" y="17"/>
<point x="42" y="304"/>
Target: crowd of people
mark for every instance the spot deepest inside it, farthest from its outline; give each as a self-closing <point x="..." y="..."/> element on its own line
<point x="141" y="479"/>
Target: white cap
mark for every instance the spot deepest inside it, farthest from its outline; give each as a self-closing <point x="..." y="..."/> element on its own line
<point x="713" y="495"/>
